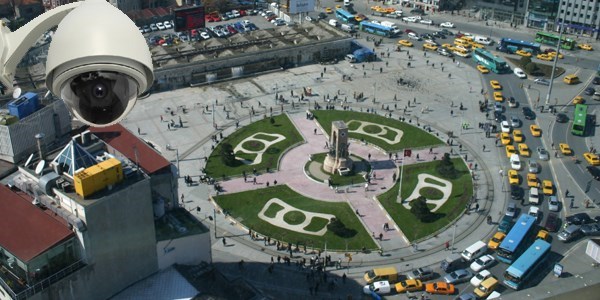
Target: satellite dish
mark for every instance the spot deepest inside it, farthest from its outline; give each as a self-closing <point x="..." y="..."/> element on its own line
<point x="28" y="160"/>
<point x="17" y="93"/>
<point x="40" y="167"/>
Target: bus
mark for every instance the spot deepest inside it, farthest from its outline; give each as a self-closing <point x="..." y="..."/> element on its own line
<point x="552" y="39"/>
<point x="526" y="265"/>
<point x="377" y="29"/>
<point x="517" y="239"/>
<point x="579" y="120"/>
<point x="490" y="61"/>
<point x="345" y="16"/>
<point x="509" y="45"/>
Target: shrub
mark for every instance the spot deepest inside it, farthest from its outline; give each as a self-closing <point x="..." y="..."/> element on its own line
<point x="524" y="61"/>
<point x="338" y="228"/>
<point x="531" y="68"/>
<point x="446" y="167"/>
<point x="227" y="156"/>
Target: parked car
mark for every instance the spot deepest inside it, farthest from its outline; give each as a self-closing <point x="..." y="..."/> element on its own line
<point x="422" y="274"/>
<point x="481" y="276"/>
<point x="542" y="81"/>
<point x="483" y="262"/>
<point x="552" y="222"/>
<point x="528" y="113"/>
<point x="553" y="203"/>
<point x="442" y="288"/>
<point x="511" y="209"/>
<point x="562" y="118"/>
<point x="458" y="276"/>
<point x="447" y="25"/>
<point x="589" y="91"/>
<point x="579" y="219"/>
<point x="591" y="229"/>
<point x="533" y="167"/>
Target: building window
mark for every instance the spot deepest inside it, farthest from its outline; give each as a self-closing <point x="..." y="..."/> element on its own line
<point x="576" y="5"/>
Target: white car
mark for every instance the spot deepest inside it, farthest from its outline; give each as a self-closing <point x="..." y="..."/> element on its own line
<point x="519" y="72"/>
<point x="379" y="287"/>
<point x="160" y="26"/>
<point x="428" y="22"/>
<point x="515" y="162"/>
<point x="204" y="35"/>
<point x="553" y="204"/>
<point x="447" y="25"/>
<point x="505" y="126"/>
<point x="482" y="263"/>
<point x="153" y="27"/>
<point x="534" y="167"/>
<point x="534" y="211"/>
<point x="408" y="19"/>
<point x="168" y="24"/>
<point x="480" y="277"/>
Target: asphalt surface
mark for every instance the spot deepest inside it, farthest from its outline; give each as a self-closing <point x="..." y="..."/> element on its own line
<point x="433" y="91"/>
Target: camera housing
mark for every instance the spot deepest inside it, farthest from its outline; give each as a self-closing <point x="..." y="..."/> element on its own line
<point x="98" y="63"/>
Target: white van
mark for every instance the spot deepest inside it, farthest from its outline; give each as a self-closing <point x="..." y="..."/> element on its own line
<point x="347" y="27"/>
<point x="347" y="3"/>
<point x="483" y="40"/>
<point x="534" y="196"/>
<point x="474" y="251"/>
<point x="333" y="23"/>
<point x="414" y="36"/>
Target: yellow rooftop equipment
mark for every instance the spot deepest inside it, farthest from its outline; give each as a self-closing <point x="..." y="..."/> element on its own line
<point x="97" y="177"/>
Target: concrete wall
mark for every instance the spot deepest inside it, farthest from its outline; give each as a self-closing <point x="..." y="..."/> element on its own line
<point x="180" y="75"/>
<point x="120" y="246"/>
<point x="189" y="250"/>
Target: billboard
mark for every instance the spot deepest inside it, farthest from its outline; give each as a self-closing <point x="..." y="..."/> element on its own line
<point x="189" y="18"/>
<point x="300" y="6"/>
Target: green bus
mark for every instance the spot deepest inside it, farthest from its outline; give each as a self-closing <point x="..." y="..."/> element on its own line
<point x="579" y="120"/>
<point x="552" y="39"/>
<point x="490" y="61"/>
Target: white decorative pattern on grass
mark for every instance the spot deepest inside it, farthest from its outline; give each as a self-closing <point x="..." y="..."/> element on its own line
<point x="259" y="154"/>
<point x="280" y="222"/>
<point x="380" y="135"/>
<point x="444" y="186"/>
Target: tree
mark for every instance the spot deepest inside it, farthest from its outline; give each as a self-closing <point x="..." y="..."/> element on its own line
<point x="531" y="68"/>
<point x="446" y="167"/>
<point x="420" y="209"/>
<point x="524" y="61"/>
<point x="227" y="156"/>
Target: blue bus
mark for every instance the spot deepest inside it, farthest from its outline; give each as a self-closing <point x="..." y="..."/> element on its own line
<point x="377" y="29"/>
<point x="511" y="46"/>
<point x="490" y="61"/>
<point x="517" y="239"/>
<point x="345" y="16"/>
<point x="516" y="275"/>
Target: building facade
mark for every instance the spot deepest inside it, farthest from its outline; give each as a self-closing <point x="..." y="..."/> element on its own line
<point x="581" y="17"/>
<point x="542" y="14"/>
<point x="511" y="11"/>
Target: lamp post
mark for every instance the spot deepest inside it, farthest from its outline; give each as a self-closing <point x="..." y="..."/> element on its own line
<point x="560" y="32"/>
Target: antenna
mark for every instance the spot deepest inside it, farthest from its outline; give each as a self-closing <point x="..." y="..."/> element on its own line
<point x="16" y="93"/>
<point x="40" y="167"/>
<point x="28" y="160"/>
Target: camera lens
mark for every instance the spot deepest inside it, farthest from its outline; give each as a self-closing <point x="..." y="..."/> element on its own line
<point x="99" y="90"/>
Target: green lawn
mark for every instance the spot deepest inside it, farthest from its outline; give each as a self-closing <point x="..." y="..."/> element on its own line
<point x="413" y="137"/>
<point x="462" y="190"/>
<point x="245" y="207"/>
<point x="544" y="68"/>
<point x="338" y="180"/>
<point x="215" y="167"/>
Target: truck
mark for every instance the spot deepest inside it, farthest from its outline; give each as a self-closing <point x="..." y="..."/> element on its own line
<point x="389" y="274"/>
<point x="391" y="25"/>
<point x="361" y="55"/>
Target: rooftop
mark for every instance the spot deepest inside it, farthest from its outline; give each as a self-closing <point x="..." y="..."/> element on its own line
<point x="25" y="230"/>
<point x="135" y="149"/>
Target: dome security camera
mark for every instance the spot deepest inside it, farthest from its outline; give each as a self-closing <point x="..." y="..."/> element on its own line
<point x="98" y="63"/>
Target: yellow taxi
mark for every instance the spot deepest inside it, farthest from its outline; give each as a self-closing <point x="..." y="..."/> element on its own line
<point x="376" y="7"/>
<point x="358" y="18"/>
<point x="544" y="56"/>
<point x="524" y="150"/>
<point x="477" y="45"/>
<point x="543" y="235"/>
<point x="495" y="84"/>
<point x="405" y="43"/>
<point x="510" y="150"/>
<point x="496" y="240"/>
<point x="513" y="177"/>
<point x="532" y="180"/>
<point x="428" y="46"/>
<point x="518" y="135"/>
<point x="592" y="158"/>
<point x="586" y="47"/>
<point x="547" y="187"/>
<point x="498" y="96"/>
<point x="535" y="130"/>
<point x="328" y="10"/>
<point x="482" y="69"/>
<point x="565" y="149"/>
<point x="523" y="53"/>
<point x="338" y="6"/>
<point x="390" y="10"/>
<point x="409" y="285"/>
<point x="553" y="55"/>
<point x="505" y="138"/>
<point x="578" y="100"/>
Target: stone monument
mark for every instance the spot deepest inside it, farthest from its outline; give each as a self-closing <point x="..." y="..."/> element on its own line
<point x="337" y="159"/>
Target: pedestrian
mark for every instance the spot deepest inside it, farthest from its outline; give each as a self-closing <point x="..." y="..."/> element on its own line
<point x="476" y="207"/>
<point x="344" y="278"/>
<point x="139" y="132"/>
<point x="278" y="259"/>
<point x="272" y="260"/>
<point x="566" y="193"/>
<point x="381" y="236"/>
<point x="267" y="184"/>
<point x="572" y="202"/>
<point x="483" y="148"/>
<point x="449" y="75"/>
<point x="224" y="242"/>
<point x="451" y="113"/>
<point x="254" y="180"/>
<point x="447" y="244"/>
<point x="315" y="131"/>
